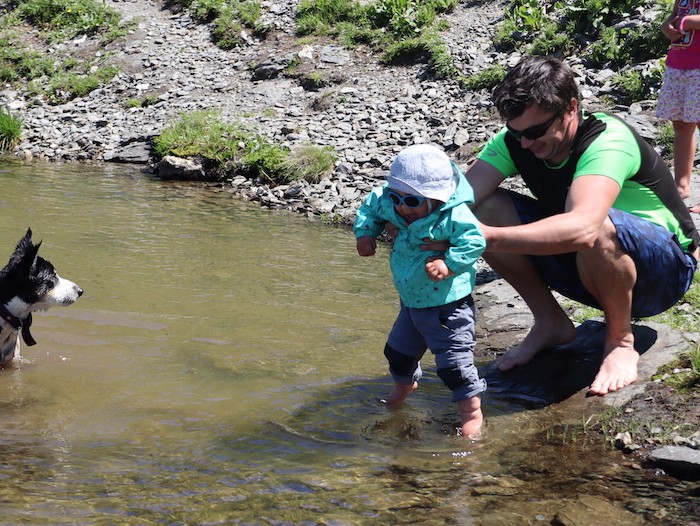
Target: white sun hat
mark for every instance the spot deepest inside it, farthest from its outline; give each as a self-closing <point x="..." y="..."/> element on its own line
<point x="423" y="169"/>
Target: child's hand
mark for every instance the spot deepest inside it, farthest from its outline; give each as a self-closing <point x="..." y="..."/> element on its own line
<point x="670" y="28"/>
<point x="366" y="245"/>
<point x="437" y="270"/>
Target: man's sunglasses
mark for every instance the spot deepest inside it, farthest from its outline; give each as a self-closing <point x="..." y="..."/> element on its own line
<point x="533" y="132"/>
<point x="411" y="201"/>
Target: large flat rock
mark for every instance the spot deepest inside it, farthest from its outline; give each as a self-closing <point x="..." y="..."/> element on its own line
<point x="561" y="372"/>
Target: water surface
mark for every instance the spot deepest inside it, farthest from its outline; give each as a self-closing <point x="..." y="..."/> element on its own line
<point x="224" y="366"/>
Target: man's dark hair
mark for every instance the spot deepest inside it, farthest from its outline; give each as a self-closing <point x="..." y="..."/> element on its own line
<point x="546" y="81"/>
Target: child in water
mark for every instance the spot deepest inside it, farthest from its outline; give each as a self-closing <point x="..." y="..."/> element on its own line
<point x="427" y="199"/>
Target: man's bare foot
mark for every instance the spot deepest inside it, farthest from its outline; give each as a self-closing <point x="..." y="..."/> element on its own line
<point x="619" y="369"/>
<point x="540" y="337"/>
<point x="399" y="394"/>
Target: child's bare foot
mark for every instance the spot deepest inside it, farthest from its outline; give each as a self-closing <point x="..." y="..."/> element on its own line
<point x="472" y="417"/>
<point x="399" y="394"/>
<point x="472" y="429"/>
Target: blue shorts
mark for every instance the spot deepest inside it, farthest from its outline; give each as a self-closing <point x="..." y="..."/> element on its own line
<point x="664" y="270"/>
<point x="449" y="332"/>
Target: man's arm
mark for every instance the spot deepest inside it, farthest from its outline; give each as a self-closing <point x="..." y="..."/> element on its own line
<point x="588" y="203"/>
<point x="484" y="179"/>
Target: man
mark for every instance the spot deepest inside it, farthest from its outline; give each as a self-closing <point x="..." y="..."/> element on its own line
<point x="607" y="227"/>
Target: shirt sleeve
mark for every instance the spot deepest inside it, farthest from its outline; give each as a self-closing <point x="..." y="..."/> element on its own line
<point x="614" y="154"/>
<point x="496" y="154"/>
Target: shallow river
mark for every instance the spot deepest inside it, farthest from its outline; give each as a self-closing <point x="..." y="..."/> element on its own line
<point x="224" y="366"/>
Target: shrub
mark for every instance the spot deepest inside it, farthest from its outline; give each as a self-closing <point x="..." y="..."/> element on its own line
<point x="665" y="136"/>
<point x="10" y="130"/>
<point x="485" y="79"/>
<point x="567" y="28"/>
<point x="405" y="29"/>
<point x="67" y="86"/>
<point x="205" y="135"/>
<point x="69" y="17"/>
<point x="230" y="20"/>
<point x="309" y="162"/>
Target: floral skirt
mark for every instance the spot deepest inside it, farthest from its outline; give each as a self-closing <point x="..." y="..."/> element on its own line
<point x="679" y="97"/>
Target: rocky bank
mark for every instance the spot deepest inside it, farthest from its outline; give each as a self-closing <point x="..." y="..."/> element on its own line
<point x="367" y="112"/>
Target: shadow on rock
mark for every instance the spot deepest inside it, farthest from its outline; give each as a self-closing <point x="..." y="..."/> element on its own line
<point x="558" y="373"/>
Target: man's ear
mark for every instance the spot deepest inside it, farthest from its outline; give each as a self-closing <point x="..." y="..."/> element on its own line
<point x="573" y="106"/>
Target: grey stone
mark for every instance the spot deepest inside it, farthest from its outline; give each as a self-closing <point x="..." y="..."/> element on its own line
<point x="678" y="460"/>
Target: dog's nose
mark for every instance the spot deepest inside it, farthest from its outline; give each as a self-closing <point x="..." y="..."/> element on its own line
<point x="80" y="292"/>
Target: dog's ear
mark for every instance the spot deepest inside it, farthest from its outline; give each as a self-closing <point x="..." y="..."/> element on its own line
<point x="27" y="251"/>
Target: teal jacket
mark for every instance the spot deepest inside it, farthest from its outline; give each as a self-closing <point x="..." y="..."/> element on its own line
<point x="452" y="221"/>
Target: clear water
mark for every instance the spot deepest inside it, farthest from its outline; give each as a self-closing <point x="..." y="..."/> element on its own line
<point x="224" y="366"/>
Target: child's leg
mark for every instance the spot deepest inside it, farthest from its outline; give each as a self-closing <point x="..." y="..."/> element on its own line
<point x="683" y="155"/>
<point x="404" y="349"/>
<point x="399" y="394"/>
<point x="471" y="417"/>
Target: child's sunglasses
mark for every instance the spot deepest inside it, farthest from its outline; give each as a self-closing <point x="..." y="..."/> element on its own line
<point x="411" y="201"/>
<point x="533" y="132"/>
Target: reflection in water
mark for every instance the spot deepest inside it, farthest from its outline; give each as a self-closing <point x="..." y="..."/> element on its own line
<point x="224" y="367"/>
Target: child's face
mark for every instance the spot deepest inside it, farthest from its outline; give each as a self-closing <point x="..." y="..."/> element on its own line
<point x="402" y="200"/>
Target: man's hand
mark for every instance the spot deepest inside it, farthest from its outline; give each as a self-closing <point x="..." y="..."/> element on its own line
<point x="366" y="246"/>
<point x="436" y="269"/>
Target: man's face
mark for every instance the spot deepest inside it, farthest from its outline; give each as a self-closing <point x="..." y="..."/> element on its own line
<point x="547" y="135"/>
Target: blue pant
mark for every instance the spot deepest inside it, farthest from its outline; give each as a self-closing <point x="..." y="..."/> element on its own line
<point x="449" y="332"/>
<point x="664" y="270"/>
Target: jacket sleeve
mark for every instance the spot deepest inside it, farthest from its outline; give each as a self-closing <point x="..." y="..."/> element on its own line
<point x="467" y="242"/>
<point x="368" y="219"/>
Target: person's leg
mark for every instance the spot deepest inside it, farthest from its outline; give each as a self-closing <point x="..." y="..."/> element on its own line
<point x="404" y="349"/>
<point x="551" y="324"/>
<point x="610" y="274"/>
<point x="683" y="155"/>
<point x="450" y="332"/>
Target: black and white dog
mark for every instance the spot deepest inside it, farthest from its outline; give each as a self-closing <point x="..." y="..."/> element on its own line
<point x="28" y="283"/>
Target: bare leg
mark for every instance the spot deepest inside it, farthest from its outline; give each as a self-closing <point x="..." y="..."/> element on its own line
<point x="683" y="155"/>
<point x="609" y="274"/>
<point x="399" y="394"/>
<point x="551" y="324"/>
<point x="472" y="417"/>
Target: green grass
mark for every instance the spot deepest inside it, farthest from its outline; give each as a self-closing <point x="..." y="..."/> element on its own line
<point x="56" y="76"/>
<point x="10" y="130"/>
<point x="231" y="148"/>
<point x="309" y="162"/>
<point x="66" y="86"/>
<point x="486" y="78"/>
<point x="68" y="18"/>
<point x="587" y="29"/>
<point x="403" y="31"/>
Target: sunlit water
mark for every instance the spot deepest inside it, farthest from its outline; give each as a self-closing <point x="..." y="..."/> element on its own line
<point x="224" y="366"/>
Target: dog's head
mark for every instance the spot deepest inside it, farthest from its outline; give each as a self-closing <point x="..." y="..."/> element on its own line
<point x="29" y="282"/>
